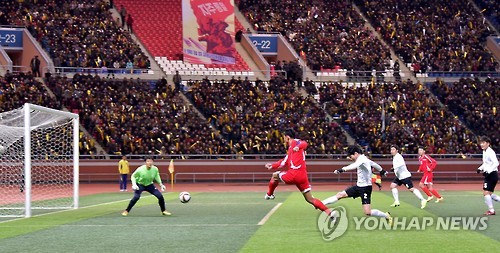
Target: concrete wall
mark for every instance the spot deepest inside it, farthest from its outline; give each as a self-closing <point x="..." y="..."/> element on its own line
<point x="5" y="62"/>
<point x="30" y="49"/>
<point x="254" y="170"/>
<point x="257" y="58"/>
<point x="285" y="53"/>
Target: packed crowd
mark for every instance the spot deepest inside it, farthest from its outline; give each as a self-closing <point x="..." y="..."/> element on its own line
<point x="402" y="113"/>
<point x="133" y="116"/>
<point x="16" y="89"/>
<point x="252" y="115"/>
<point x="446" y="35"/>
<point x="327" y="33"/>
<point x="475" y="102"/>
<point x="76" y="33"/>
<point x="491" y="10"/>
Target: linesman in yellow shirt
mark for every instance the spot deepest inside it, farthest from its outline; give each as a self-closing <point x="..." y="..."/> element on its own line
<point x="124" y="170"/>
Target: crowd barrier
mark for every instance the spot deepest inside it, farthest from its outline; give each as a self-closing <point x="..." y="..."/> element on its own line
<point x="251" y="171"/>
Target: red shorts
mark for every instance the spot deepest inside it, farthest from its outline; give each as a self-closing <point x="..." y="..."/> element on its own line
<point x="427" y="178"/>
<point x="298" y="178"/>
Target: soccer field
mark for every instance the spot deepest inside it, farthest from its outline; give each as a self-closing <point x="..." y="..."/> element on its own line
<point x="244" y="222"/>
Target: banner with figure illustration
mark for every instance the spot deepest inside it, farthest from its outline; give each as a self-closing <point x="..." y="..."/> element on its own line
<point x="208" y="31"/>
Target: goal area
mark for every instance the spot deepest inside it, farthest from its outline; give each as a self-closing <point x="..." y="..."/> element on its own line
<point x="39" y="150"/>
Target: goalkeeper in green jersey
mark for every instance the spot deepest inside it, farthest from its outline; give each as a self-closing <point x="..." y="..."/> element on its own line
<point x="142" y="180"/>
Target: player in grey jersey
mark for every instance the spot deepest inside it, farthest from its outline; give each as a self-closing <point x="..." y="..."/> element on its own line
<point x="363" y="187"/>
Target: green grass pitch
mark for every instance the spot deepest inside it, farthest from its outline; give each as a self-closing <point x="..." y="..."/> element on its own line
<point x="229" y="222"/>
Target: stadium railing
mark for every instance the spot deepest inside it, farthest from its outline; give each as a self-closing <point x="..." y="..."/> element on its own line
<point x="225" y="177"/>
<point x="267" y="156"/>
<point x="391" y="75"/>
<point x="252" y="170"/>
<point x="254" y="177"/>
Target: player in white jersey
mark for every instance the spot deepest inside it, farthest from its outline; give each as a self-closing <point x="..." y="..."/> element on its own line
<point x="363" y="187"/>
<point x="489" y="168"/>
<point x="403" y="176"/>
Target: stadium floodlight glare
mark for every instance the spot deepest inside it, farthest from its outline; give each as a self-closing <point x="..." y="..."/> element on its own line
<point x="39" y="164"/>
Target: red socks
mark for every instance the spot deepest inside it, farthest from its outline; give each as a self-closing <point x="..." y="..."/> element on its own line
<point x="436" y="193"/>
<point x="319" y="205"/>
<point x="427" y="192"/>
<point x="272" y="186"/>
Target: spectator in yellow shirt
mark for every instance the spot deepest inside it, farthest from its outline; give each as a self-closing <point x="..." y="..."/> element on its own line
<point x="124" y="170"/>
<point x="377" y="179"/>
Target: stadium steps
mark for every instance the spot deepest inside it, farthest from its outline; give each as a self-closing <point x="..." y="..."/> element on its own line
<point x="87" y="135"/>
<point x="158" y="24"/>
<point x="349" y="137"/>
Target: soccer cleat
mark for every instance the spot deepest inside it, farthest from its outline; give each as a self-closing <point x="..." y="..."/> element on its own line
<point x="267" y="197"/>
<point x="125" y="213"/>
<point x="395" y="204"/>
<point x="167" y="213"/>
<point x="489" y="213"/>
<point x="423" y="203"/>
<point x="439" y="200"/>
<point x="389" y="219"/>
<point x="430" y="198"/>
<point x="333" y="216"/>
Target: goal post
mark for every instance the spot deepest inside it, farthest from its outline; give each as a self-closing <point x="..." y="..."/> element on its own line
<point x="39" y="164"/>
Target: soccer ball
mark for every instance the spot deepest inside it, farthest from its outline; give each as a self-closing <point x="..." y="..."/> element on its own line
<point x="184" y="197"/>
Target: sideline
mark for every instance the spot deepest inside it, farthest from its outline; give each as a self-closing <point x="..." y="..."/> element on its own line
<point x="68" y="210"/>
<point x="268" y="215"/>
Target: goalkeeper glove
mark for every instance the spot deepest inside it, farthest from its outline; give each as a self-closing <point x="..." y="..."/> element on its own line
<point x="135" y="187"/>
<point x="383" y="173"/>
<point x="162" y="187"/>
<point x="338" y="171"/>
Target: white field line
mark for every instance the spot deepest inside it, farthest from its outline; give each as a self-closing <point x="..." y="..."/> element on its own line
<point x="118" y="201"/>
<point x="268" y="215"/>
<point x="67" y="210"/>
<point x="138" y="225"/>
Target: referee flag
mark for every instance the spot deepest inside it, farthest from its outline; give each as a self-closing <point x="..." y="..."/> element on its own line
<point x="171" y="171"/>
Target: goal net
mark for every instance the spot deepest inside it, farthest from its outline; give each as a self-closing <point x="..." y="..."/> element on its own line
<point x="38" y="160"/>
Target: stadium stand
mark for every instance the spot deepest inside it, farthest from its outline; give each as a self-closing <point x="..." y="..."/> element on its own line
<point x="170" y="66"/>
<point x="248" y="115"/>
<point x="475" y="102"/>
<point x="19" y="88"/>
<point x="446" y="35"/>
<point x="490" y="9"/>
<point x="76" y="33"/>
<point x="135" y="116"/>
<point x="158" y="24"/>
<point x="330" y="34"/>
<point x="402" y="113"/>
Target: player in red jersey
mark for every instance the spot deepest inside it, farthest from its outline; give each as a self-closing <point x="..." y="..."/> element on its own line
<point x="427" y="165"/>
<point x="296" y="172"/>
